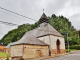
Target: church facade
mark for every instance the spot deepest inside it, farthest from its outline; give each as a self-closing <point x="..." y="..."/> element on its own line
<point x="56" y="43"/>
<point x="44" y="37"/>
<point x="50" y="36"/>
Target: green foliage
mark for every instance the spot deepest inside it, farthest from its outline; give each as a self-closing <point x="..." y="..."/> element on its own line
<point x="74" y="47"/>
<point x="67" y="50"/>
<point x="60" y="23"/>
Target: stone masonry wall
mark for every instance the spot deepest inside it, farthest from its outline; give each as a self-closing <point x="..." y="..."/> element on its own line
<point x="16" y="50"/>
<point x="34" y="51"/>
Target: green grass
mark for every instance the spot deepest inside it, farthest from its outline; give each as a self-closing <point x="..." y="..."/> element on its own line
<point x="2" y="54"/>
<point x="71" y="50"/>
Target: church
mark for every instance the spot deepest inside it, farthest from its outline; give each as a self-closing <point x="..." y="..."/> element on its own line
<point x="40" y="42"/>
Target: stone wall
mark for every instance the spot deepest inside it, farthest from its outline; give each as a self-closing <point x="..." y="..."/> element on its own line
<point x="29" y="51"/>
<point x="62" y="51"/>
<point x="16" y="50"/>
<point x="34" y="51"/>
<point x="54" y="51"/>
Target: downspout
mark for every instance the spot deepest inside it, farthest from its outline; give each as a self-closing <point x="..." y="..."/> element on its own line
<point x="23" y="50"/>
<point x="50" y="46"/>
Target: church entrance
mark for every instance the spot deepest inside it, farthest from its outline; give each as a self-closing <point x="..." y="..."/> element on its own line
<point x="58" y="46"/>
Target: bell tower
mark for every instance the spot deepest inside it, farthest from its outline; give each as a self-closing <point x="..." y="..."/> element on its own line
<point x="43" y="20"/>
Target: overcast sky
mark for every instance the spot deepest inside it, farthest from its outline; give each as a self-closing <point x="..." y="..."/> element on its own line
<point x="34" y="9"/>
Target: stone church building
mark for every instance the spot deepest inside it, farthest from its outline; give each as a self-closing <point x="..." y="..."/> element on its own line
<point x="42" y="41"/>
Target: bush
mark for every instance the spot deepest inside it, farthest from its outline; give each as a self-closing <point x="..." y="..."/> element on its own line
<point x="67" y="50"/>
<point x="74" y="47"/>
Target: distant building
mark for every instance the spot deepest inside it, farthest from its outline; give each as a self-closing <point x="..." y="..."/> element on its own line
<point x="42" y="41"/>
<point x="7" y="48"/>
<point x="2" y="48"/>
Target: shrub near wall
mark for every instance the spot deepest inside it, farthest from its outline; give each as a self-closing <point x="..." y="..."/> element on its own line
<point x="74" y="47"/>
<point x="67" y="50"/>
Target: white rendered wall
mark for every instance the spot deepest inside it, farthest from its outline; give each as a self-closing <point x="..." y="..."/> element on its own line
<point x="45" y="39"/>
<point x="53" y="39"/>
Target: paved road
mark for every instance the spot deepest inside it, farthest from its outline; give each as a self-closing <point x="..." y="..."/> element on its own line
<point x="75" y="56"/>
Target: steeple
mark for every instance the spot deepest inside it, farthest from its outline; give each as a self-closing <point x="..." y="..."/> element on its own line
<point x="43" y="19"/>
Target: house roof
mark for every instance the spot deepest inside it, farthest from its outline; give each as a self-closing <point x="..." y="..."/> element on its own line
<point x="9" y="45"/>
<point x="48" y="29"/>
<point x="29" y="39"/>
<point x="2" y="47"/>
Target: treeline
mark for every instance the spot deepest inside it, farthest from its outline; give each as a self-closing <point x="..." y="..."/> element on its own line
<point x="60" y="23"/>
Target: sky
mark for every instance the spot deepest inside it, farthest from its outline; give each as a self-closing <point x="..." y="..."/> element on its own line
<point x="34" y="9"/>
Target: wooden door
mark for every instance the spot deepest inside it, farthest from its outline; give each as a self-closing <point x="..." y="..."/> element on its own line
<point x="58" y="49"/>
<point x="58" y="46"/>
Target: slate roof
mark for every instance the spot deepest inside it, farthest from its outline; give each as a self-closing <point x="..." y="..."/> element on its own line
<point x="48" y="29"/>
<point x="29" y="39"/>
<point x="9" y="45"/>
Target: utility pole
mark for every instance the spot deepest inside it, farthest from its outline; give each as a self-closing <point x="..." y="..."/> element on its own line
<point x="67" y="38"/>
<point x="67" y="42"/>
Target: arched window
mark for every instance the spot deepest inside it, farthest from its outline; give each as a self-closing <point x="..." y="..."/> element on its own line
<point x="58" y="42"/>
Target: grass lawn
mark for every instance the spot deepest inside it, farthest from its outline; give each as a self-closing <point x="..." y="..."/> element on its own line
<point x="73" y="49"/>
<point x="2" y="54"/>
